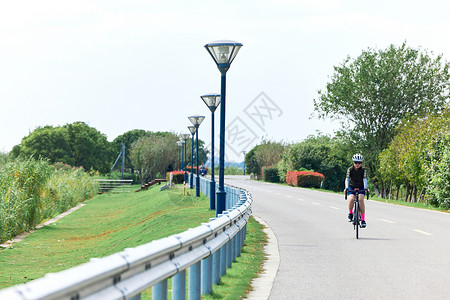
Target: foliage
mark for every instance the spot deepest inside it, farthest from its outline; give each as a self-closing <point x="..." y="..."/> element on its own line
<point x="154" y="154"/>
<point x="373" y="92"/>
<point x="177" y="177"/>
<point x="329" y="156"/>
<point x="230" y="170"/>
<point x="304" y="179"/>
<point x="270" y="174"/>
<point x="268" y="153"/>
<point x="416" y="155"/>
<point x="128" y="138"/>
<point x="75" y="144"/>
<point x="439" y="174"/>
<point x="32" y="190"/>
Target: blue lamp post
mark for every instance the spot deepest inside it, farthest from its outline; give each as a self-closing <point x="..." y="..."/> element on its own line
<point x="223" y="53"/>
<point x="192" y="129"/>
<point x="196" y="121"/>
<point x="244" y="161"/>
<point x="185" y="137"/>
<point x="179" y="154"/>
<point x="212" y="101"/>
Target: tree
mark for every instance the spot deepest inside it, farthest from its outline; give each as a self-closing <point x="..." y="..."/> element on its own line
<point x="268" y="153"/>
<point x="154" y="154"/>
<point x="75" y="144"/>
<point x="322" y="154"/>
<point x="373" y="92"/>
<point x="128" y="138"/>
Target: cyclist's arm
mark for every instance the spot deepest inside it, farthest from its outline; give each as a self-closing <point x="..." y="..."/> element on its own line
<point x="365" y="180"/>
<point x="347" y="180"/>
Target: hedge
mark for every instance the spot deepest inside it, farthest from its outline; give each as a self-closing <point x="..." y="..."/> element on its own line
<point x="304" y="179"/>
<point x="177" y="176"/>
<point x="270" y="174"/>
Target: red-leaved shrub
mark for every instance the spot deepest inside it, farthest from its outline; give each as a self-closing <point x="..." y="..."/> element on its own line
<point x="177" y="176"/>
<point x="304" y="179"/>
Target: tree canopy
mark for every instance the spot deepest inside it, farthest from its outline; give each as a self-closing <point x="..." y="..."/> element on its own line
<point x="76" y="144"/>
<point x="374" y="92"/>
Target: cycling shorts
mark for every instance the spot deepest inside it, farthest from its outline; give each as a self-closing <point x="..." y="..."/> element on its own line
<point x="352" y="189"/>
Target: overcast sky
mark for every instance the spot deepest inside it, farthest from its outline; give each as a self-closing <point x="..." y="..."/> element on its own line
<point x="123" y="65"/>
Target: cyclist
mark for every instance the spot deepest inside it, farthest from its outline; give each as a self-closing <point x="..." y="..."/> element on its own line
<point x="356" y="179"/>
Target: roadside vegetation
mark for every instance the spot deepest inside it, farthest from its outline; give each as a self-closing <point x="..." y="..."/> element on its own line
<point x="32" y="191"/>
<point x="394" y="107"/>
<point x="109" y="223"/>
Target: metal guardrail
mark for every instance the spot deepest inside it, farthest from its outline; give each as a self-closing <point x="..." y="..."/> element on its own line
<point x="207" y="251"/>
<point x="114" y="185"/>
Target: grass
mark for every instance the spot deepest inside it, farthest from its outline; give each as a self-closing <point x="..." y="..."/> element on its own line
<point x="110" y="223"/>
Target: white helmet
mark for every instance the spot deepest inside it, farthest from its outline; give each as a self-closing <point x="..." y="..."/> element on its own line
<point x="358" y="157"/>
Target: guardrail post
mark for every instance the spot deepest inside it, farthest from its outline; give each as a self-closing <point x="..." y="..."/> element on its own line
<point x="229" y="260"/>
<point x="179" y="286"/>
<point x="207" y="275"/>
<point x="159" y="290"/>
<point x="194" y="281"/>
<point x="216" y="267"/>
<point x="223" y="260"/>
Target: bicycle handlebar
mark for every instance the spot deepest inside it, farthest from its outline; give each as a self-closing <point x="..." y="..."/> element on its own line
<point x="354" y="192"/>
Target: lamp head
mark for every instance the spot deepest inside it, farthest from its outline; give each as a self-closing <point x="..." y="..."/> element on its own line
<point x="212" y="100"/>
<point x="196" y="120"/>
<point x="223" y="52"/>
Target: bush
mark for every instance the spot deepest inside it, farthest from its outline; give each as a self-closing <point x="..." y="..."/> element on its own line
<point x="270" y="174"/>
<point x="177" y="177"/>
<point x="304" y="179"/>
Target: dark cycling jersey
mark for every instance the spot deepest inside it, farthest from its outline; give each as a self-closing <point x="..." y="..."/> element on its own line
<point x="356" y="176"/>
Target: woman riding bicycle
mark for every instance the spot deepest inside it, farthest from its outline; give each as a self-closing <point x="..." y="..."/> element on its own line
<point x="356" y="182"/>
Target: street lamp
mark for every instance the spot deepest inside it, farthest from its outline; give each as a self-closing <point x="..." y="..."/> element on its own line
<point x="192" y="129"/>
<point x="244" y="161"/>
<point x="212" y="101"/>
<point x="196" y="121"/>
<point x="179" y="143"/>
<point x="223" y="53"/>
<point x="185" y="137"/>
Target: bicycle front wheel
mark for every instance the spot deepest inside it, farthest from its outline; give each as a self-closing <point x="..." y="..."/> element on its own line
<point x="357" y="219"/>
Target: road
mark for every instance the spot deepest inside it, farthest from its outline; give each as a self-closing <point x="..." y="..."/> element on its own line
<point x="404" y="253"/>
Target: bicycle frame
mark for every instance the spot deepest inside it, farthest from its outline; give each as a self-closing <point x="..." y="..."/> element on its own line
<point x="356" y="212"/>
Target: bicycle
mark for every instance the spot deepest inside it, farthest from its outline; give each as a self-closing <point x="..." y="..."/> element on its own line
<point x="356" y="212"/>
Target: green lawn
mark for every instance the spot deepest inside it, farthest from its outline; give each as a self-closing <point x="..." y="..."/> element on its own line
<point x="109" y="223"/>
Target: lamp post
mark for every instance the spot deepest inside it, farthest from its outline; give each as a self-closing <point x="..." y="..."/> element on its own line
<point x="212" y="101"/>
<point x="179" y="143"/>
<point x="223" y="53"/>
<point x="244" y="161"/>
<point x="185" y="137"/>
<point x="192" y="129"/>
<point x="196" y="121"/>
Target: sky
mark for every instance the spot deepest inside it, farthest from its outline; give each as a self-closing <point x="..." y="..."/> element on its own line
<point x="124" y="65"/>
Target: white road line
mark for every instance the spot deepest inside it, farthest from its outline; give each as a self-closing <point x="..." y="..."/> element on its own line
<point x="422" y="232"/>
<point x="387" y="221"/>
<point x="334" y="207"/>
<point x="289" y="196"/>
<point x="315" y="203"/>
<point x="300" y="199"/>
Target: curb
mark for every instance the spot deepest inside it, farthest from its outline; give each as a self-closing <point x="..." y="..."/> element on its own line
<point x="262" y="285"/>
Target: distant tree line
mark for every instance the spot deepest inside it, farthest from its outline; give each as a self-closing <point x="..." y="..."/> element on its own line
<point x="151" y="154"/>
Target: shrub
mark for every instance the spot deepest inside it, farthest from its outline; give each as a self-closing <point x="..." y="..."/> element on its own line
<point x="304" y="179"/>
<point x="177" y="176"/>
<point x="270" y="174"/>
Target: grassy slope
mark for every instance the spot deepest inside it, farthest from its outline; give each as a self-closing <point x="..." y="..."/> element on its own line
<point x="106" y="225"/>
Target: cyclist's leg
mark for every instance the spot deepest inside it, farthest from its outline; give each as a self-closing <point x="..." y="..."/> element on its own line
<point x="362" y="206"/>
<point x="351" y="202"/>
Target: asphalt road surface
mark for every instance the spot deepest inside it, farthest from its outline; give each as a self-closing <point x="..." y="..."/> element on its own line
<point x="404" y="253"/>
